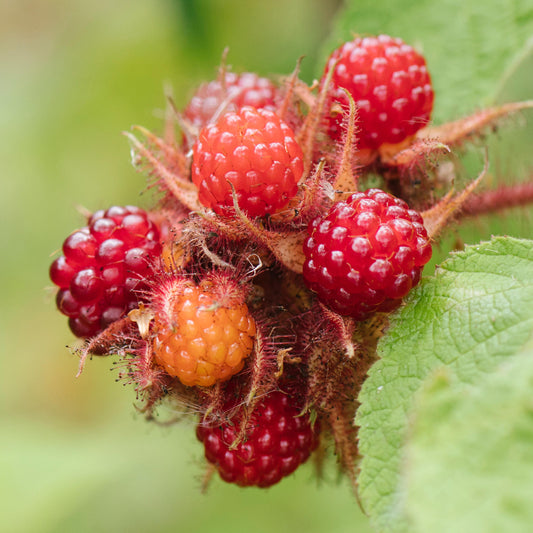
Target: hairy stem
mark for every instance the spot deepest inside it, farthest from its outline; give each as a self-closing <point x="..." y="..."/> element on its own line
<point x="505" y="197"/>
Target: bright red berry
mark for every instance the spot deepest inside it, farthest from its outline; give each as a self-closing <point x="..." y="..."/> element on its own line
<point x="390" y="85"/>
<point x="278" y="441"/>
<point x="365" y="254"/>
<point x="103" y="268"/>
<point x="246" y="89"/>
<point x="253" y="154"/>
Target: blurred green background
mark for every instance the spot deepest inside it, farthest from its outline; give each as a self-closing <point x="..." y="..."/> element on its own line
<point x="74" y="456"/>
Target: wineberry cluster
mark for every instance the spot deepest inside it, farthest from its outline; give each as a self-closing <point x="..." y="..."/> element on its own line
<point x="255" y="292"/>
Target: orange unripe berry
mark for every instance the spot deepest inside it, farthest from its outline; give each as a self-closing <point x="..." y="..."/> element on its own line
<point x="201" y="340"/>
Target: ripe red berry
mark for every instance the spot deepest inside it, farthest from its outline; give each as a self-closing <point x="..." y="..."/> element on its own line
<point x="390" y="85"/>
<point x="256" y="152"/>
<point x="246" y="89"/>
<point x="365" y="254"/>
<point x="103" y="266"/>
<point x="278" y="441"/>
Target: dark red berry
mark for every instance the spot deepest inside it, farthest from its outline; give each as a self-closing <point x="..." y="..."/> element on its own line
<point x="103" y="268"/>
<point x="278" y="441"/>
<point x="365" y="254"/>
<point x="390" y="85"/>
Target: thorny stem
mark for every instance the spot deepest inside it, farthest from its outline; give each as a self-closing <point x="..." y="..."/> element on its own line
<point x="454" y="133"/>
<point x="344" y="327"/>
<point x="307" y="135"/>
<point x="291" y="82"/>
<point x="210" y="469"/>
<point x="183" y="190"/>
<point x="504" y="197"/>
<point x="215" y="400"/>
<point x="344" y="434"/>
<point x="437" y="218"/>
<point x="102" y="343"/>
<point x="259" y="368"/>
<point x="346" y="179"/>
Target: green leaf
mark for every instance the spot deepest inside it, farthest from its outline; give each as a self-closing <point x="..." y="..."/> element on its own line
<point x="470" y="46"/>
<point x="472" y="315"/>
<point x="469" y="453"/>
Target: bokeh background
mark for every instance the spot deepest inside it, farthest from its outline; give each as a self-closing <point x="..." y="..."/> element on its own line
<point x="74" y="455"/>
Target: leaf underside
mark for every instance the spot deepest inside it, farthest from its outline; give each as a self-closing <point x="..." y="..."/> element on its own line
<point x="469" y="453"/>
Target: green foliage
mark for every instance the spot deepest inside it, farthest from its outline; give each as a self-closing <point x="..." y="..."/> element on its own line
<point x="475" y="313"/>
<point x="469" y="453"/>
<point x="469" y="45"/>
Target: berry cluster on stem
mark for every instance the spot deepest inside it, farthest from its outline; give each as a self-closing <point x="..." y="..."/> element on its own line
<point x="253" y="296"/>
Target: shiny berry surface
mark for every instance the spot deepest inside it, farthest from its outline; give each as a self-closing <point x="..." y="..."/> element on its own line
<point x="253" y="155"/>
<point x="390" y="85"/>
<point x="277" y="442"/>
<point x="202" y="342"/>
<point x="365" y="254"/>
<point x="103" y="268"/>
<point x="238" y="90"/>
